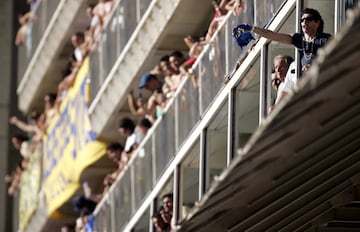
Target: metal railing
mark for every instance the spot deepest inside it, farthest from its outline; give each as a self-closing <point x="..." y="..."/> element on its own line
<point x="117" y="33"/>
<point x="178" y="121"/>
<point x="34" y="32"/>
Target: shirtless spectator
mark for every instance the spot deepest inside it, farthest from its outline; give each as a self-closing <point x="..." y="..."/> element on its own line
<point x="195" y="49"/>
<point x="219" y="15"/>
<point x="102" y="10"/>
<point x="24" y="20"/>
<point x="157" y="100"/>
<point x="176" y="59"/>
<point x="235" y="6"/>
<point x="68" y="79"/>
<point x="24" y="146"/>
<point x="95" y="27"/>
<point x="35" y="128"/>
<point x="14" y="179"/>
<point x="171" y="77"/>
<point x="138" y="107"/>
<point x="115" y="152"/>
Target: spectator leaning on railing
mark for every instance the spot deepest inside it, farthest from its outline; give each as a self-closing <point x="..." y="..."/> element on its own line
<point x="307" y="42"/>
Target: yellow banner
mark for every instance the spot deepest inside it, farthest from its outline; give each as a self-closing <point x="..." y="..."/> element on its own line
<point x="29" y="189"/>
<point x="70" y="145"/>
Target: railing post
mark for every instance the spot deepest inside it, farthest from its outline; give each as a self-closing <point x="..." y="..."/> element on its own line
<point x="132" y="186"/>
<point x="177" y="196"/>
<point x="177" y="122"/>
<point x="112" y="211"/>
<point x="204" y="164"/>
<point x="264" y="90"/>
<point x="232" y="126"/>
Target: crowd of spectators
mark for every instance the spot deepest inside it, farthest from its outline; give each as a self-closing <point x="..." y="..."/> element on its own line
<point x="30" y="138"/>
<point x="166" y="77"/>
<point x="163" y="81"/>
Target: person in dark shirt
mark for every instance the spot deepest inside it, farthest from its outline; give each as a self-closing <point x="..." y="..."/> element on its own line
<point x="307" y="42"/>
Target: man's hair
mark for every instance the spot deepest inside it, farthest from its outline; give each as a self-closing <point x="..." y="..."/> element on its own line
<point x="288" y="59"/>
<point x="145" y="122"/>
<point x="177" y="54"/>
<point x="114" y="147"/>
<point x="316" y="15"/>
<point x="127" y="123"/>
<point x="80" y="35"/>
<point x="165" y="58"/>
<point x="168" y="195"/>
<point x="52" y="97"/>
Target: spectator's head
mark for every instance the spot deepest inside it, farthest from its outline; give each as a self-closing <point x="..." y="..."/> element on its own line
<point x="126" y="127"/>
<point x="18" y="139"/>
<point x="113" y="151"/>
<point x="22" y="18"/>
<point x="89" y="10"/>
<point x="49" y="100"/>
<point x="167" y="201"/>
<point x="150" y="82"/>
<point x="144" y="125"/>
<point x="78" y="38"/>
<point x="281" y="66"/>
<point x="166" y="67"/>
<point x="82" y="204"/>
<point x="311" y="21"/>
<point x="176" y="59"/>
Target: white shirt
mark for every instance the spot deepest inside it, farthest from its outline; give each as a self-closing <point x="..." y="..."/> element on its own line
<point x="134" y="138"/>
<point x="290" y="81"/>
<point x="279" y="90"/>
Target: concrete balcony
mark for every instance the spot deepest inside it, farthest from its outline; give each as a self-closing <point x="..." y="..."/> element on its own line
<point x="43" y="71"/>
<point x="160" y="31"/>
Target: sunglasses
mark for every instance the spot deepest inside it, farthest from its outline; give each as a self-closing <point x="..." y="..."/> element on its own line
<point x="307" y="19"/>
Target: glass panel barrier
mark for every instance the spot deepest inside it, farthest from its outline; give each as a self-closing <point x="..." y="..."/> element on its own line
<point x="212" y="70"/>
<point x="164" y="141"/>
<point x="188" y="106"/>
<point x="143" y="175"/>
<point x="265" y="10"/>
<point x="235" y="53"/>
<point x="103" y="218"/>
<point x="190" y="180"/>
<point x="117" y="208"/>
<point x="117" y="33"/>
<point x="248" y="93"/>
<point x="217" y="143"/>
<point x="94" y="74"/>
<point x="124" y="212"/>
<point x="143" y="223"/>
<point x="326" y="9"/>
<point x="34" y="32"/>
